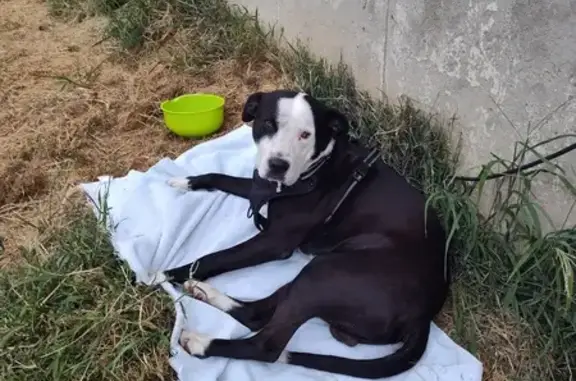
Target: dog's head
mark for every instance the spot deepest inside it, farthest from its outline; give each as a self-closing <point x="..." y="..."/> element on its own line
<point x="292" y="131"/>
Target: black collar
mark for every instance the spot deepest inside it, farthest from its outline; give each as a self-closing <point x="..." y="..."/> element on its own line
<point x="263" y="191"/>
<point x="311" y="171"/>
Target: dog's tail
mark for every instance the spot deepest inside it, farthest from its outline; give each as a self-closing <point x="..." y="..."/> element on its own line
<point x="400" y="361"/>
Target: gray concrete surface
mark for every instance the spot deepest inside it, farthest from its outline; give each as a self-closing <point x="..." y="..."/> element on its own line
<point x="506" y="68"/>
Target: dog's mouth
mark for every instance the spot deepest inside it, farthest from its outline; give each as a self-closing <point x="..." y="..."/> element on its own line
<point x="290" y="175"/>
<point x="280" y="181"/>
<point x="271" y="176"/>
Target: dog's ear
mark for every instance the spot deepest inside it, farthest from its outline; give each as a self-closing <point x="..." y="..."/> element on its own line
<point x="251" y="107"/>
<point x="337" y="122"/>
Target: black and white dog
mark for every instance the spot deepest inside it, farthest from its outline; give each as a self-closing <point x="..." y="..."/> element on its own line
<point x="378" y="275"/>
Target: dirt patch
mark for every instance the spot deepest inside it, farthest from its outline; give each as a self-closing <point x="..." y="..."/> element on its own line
<point x="74" y="109"/>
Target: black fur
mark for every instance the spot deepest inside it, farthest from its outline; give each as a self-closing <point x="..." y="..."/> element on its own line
<point x="378" y="276"/>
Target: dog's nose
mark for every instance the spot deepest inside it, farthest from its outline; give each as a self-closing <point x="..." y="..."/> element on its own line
<point x="278" y="166"/>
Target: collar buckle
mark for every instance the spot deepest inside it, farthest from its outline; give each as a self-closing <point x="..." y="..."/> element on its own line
<point x="360" y="173"/>
<point x="357" y="176"/>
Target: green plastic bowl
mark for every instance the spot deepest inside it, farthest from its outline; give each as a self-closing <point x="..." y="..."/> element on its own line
<point x="194" y="115"/>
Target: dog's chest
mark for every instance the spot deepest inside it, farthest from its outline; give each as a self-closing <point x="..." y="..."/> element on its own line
<point x="305" y="210"/>
<point x="271" y="202"/>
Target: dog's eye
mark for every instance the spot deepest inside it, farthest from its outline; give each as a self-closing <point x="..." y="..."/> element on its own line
<point x="304" y="135"/>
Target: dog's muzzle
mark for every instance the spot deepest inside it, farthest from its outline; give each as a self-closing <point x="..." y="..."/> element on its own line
<point x="277" y="168"/>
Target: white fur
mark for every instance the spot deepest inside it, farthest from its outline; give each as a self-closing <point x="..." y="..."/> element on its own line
<point x="208" y="294"/>
<point x="195" y="343"/>
<point x="294" y="116"/>
<point x="284" y="358"/>
<point x="179" y="183"/>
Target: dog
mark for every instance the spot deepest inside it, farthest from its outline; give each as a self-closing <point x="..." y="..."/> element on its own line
<point x="378" y="273"/>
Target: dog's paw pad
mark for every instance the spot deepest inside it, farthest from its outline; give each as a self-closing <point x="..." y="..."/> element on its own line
<point x="179" y="183"/>
<point x="194" y="343"/>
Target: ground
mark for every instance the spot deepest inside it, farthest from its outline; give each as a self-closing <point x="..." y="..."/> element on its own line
<point x="76" y="107"/>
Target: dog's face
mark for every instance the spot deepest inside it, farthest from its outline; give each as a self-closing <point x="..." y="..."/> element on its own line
<point x="292" y="131"/>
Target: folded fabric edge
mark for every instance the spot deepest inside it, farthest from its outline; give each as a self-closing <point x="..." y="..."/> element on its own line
<point x="154" y="280"/>
<point x="96" y="194"/>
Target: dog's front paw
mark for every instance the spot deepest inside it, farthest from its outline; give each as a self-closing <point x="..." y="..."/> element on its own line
<point x="189" y="183"/>
<point x="179" y="183"/>
<point x="195" y="343"/>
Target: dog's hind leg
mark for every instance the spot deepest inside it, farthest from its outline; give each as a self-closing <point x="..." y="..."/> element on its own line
<point x="267" y="345"/>
<point x="343" y="337"/>
<point x="254" y="314"/>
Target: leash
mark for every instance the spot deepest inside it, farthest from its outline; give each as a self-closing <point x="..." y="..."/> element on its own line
<point x="307" y="184"/>
<point x="518" y="169"/>
<point x="357" y="176"/>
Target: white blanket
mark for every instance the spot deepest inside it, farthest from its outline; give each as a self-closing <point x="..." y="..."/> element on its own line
<point x="155" y="227"/>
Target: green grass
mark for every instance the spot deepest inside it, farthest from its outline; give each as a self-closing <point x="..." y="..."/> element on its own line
<point x="76" y="316"/>
<point x="506" y="261"/>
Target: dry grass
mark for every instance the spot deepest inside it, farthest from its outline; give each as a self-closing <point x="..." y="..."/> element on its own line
<point x="74" y="108"/>
<point x="505" y="345"/>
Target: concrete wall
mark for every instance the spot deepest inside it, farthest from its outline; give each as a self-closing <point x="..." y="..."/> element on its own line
<point x="507" y="68"/>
